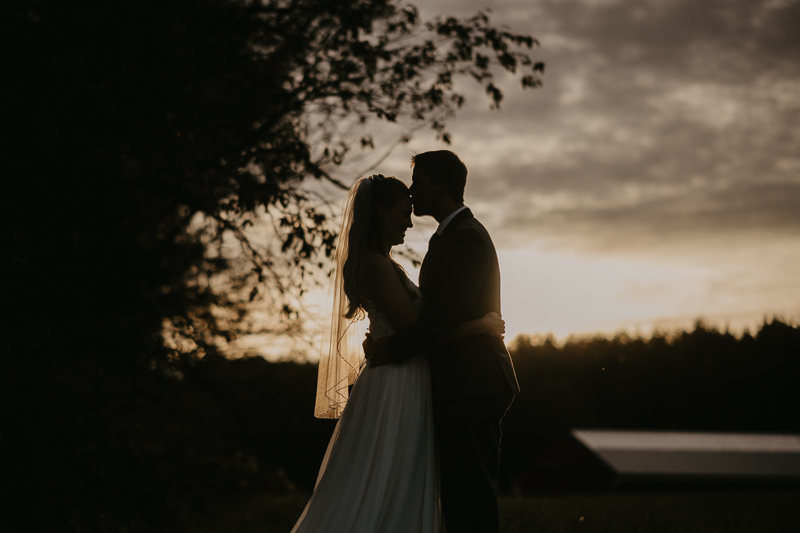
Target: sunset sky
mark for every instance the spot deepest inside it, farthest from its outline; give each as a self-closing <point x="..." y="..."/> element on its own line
<point x="652" y="180"/>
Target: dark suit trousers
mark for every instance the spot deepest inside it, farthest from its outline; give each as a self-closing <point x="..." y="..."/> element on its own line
<point x="468" y="432"/>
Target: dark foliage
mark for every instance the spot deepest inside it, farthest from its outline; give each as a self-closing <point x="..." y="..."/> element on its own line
<point x="112" y="449"/>
<point x="699" y="380"/>
<point x="139" y="136"/>
<point x="128" y="120"/>
<point x="107" y="449"/>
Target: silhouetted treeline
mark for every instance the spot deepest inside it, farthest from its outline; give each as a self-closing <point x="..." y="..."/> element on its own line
<point x="109" y="447"/>
<point x="126" y="447"/>
<point x="703" y="379"/>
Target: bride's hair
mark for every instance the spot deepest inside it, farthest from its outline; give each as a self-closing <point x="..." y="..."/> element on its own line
<point x="365" y="229"/>
<point x="341" y="358"/>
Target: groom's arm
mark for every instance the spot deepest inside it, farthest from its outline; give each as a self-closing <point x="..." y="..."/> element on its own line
<point x="463" y="273"/>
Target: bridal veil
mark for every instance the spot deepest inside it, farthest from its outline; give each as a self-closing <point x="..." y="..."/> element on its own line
<point x="341" y="355"/>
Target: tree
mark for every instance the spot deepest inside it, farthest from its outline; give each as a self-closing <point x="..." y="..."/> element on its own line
<point x="147" y="132"/>
<point x="142" y="138"/>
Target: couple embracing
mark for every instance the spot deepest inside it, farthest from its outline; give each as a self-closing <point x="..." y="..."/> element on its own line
<point x="422" y="420"/>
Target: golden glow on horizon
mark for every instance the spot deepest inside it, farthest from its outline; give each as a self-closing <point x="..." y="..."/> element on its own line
<point x="560" y="293"/>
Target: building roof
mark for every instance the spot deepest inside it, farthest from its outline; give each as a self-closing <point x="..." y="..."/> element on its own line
<point x="670" y="453"/>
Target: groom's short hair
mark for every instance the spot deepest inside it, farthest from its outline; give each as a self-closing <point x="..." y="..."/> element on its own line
<point x="443" y="166"/>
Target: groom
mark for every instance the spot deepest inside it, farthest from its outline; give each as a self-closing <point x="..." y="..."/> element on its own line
<point x="473" y="380"/>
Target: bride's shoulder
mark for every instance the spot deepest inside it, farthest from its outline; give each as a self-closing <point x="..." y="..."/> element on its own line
<point x="373" y="262"/>
<point x="374" y="267"/>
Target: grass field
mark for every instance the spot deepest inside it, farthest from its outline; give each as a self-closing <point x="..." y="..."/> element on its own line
<point x="692" y="512"/>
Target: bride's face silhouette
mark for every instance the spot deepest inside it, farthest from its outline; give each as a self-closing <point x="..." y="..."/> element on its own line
<point x="396" y="220"/>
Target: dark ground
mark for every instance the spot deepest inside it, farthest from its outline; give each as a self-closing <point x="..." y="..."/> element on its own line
<point x="687" y="512"/>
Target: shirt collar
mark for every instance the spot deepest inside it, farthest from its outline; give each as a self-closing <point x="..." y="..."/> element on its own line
<point x="447" y="221"/>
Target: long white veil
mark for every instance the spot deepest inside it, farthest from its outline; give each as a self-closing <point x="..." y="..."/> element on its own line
<point x="341" y="356"/>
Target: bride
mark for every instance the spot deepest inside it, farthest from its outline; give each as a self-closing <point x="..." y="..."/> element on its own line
<point x="379" y="473"/>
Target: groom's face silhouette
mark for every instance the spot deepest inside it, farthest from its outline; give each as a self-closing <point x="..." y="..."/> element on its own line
<point x="422" y="193"/>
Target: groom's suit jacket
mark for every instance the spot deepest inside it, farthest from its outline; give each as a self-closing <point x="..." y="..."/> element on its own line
<point x="460" y="280"/>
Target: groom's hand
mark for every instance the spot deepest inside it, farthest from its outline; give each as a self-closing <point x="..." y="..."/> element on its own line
<point x="495" y="325"/>
<point x="375" y="351"/>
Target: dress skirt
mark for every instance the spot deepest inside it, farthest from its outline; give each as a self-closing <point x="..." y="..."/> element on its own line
<point x="379" y="474"/>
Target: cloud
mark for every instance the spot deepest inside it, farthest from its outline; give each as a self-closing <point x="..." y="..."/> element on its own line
<point x="700" y="219"/>
<point x="653" y="179"/>
<point x="659" y="122"/>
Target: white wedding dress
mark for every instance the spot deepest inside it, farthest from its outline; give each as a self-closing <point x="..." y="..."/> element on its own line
<point x="379" y="474"/>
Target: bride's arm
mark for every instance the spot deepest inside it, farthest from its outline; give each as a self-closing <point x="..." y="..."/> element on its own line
<point x="491" y="324"/>
<point x="382" y="285"/>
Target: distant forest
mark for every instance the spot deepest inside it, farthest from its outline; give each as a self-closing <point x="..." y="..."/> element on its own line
<point x="183" y="441"/>
<point x="704" y="379"/>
